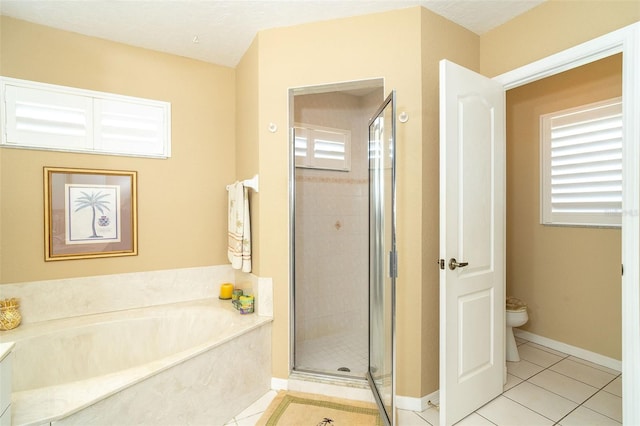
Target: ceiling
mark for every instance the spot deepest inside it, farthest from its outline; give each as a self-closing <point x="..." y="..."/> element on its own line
<point x="220" y="31"/>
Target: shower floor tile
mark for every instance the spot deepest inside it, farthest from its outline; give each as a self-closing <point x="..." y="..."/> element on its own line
<point x="328" y="354"/>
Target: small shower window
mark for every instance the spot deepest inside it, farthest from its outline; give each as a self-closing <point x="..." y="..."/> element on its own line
<point x="318" y="147"/>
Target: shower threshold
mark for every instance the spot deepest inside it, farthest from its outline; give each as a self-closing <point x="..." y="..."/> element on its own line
<point x="338" y="386"/>
<point x="330" y="376"/>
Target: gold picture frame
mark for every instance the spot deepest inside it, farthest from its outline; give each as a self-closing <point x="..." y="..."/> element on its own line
<point x="89" y="213"/>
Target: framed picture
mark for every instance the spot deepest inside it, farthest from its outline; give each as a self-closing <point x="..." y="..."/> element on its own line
<point x="89" y="213"/>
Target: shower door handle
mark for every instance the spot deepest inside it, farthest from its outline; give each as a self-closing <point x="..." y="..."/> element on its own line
<point x="453" y="264"/>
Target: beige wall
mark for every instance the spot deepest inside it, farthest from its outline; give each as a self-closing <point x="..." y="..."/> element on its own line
<point x="318" y="53"/>
<point x="553" y="26"/>
<point x="403" y="48"/>
<point x="569" y="277"/>
<point x="247" y="149"/>
<point x="181" y="201"/>
<point x="440" y="39"/>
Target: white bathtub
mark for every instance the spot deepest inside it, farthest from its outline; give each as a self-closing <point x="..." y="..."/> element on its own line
<point x="195" y="362"/>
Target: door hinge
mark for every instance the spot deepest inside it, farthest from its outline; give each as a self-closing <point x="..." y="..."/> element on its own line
<point x="622" y="269"/>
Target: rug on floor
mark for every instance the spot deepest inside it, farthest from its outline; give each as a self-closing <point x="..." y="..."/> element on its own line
<point x="301" y="409"/>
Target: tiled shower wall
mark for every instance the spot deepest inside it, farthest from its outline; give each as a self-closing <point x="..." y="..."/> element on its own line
<point x="331" y="235"/>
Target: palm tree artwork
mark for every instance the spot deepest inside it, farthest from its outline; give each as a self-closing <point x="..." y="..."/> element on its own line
<point x="95" y="201"/>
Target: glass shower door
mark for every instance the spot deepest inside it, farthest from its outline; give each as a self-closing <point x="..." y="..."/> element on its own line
<point x="382" y="258"/>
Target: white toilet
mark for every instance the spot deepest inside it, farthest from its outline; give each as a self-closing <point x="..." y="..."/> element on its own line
<point x="516" y="316"/>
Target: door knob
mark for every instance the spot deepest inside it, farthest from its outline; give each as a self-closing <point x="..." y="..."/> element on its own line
<point x="453" y="264"/>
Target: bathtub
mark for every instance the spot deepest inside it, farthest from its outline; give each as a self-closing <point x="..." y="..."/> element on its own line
<point x="197" y="362"/>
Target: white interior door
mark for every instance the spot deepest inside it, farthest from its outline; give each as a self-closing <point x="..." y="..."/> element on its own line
<point x="472" y="241"/>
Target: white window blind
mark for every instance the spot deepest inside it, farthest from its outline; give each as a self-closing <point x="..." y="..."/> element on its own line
<point x="582" y="165"/>
<point x="45" y="116"/>
<point x="128" y="126"/>
<point x="47" y="119"/>
<point x="322" y="147"/>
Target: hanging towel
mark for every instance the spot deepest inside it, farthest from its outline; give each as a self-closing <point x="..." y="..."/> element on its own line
<point x="239" y="228"/>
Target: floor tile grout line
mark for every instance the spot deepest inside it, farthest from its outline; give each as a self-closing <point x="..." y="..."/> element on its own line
<point x="528" y="408"/>
<point x="575" y="378"/>
<point x="562" y="396"/>
<point x="595" y="365"/>
<point x="533" y="375"/>
<point x="549" y="350"/>
<point x="611" y="381"/>
<point x="562" y="358"/>
<point x="573" y="358"/>
<point x="601" y="390"/>
<point x="595" y="411"/>
<point x="486" y="418"/>
<point x="557" y="422"/>
<point x="547" y="367"/>
<point x="533" y="384"/>
<point x="513" y="387"/>
<point x="555" y="393"/>
<point x="423" y="419"/>
<point x="566" y="415"/>
<point x="610" y="393"/>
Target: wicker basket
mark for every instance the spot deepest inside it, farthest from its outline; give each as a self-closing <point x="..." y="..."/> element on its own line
<point x="9" y="314"/>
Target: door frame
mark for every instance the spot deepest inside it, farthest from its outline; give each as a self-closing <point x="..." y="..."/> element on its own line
<point x="372" y="83"/>
<point x="391" y="266"/>
<point x="626" y="41"/>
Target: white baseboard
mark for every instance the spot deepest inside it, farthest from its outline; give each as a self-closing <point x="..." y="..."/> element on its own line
<point x="279" y="384"/>
<point x="423" y="403"/>
<point x="570" y="350"/>
<point x="417" y="404"/>
<point x="360" y="393"/>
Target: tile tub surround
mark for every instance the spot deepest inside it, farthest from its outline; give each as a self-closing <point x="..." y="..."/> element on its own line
<point x="6" y="361"/>
<point x="260" y="287"/>
<point x="55" y="299"/>
<point x="193" y="362"/>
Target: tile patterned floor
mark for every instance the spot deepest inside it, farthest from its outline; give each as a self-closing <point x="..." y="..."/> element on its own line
<point x="546" y="387"/>
<point x="328" y="353"/>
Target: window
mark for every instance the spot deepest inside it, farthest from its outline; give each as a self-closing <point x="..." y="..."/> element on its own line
<point x="44" y="116"/>
<point x="581" y="169"/>
<point x="322" y="147"/>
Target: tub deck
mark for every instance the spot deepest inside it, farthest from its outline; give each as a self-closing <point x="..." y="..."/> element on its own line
<point x="65" y="402"/>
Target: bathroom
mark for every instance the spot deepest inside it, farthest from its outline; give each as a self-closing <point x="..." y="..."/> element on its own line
<point x="221" y="105"/>
<point x="581" y="305"/>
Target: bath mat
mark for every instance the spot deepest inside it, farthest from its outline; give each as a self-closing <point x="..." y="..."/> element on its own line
<point x="301" y="409"/>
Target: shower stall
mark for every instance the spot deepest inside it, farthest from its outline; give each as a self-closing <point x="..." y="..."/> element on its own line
<point x="331" y="227"/>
